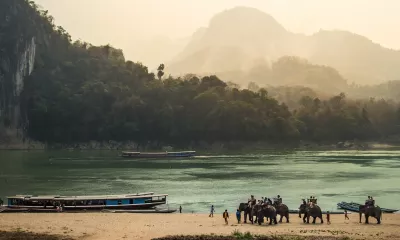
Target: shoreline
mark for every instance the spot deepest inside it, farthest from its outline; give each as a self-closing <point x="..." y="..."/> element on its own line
<point x="102" y="226"/>
<point x="214" y="147"/>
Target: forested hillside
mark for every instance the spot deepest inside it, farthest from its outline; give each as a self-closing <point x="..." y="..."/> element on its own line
<point x="78" y="92"/>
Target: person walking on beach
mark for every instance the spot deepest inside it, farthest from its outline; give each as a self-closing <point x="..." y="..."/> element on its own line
<point x="328" y="217"/>
<point x="226" y="216"/>
<point x="238" y="215"/>
<point x="180" y="209"/>
<point x="212" y="211"/>
<point x="345" y="215"/>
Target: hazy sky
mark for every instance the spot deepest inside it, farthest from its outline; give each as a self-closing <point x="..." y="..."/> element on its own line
<point x="124" y="22"/>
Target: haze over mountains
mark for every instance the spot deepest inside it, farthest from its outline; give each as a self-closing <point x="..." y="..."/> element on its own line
<point x="242" y="38"/>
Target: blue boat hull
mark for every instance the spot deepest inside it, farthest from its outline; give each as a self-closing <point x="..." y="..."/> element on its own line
<point x="185" y="154"/>
<point x="354" y="207"/>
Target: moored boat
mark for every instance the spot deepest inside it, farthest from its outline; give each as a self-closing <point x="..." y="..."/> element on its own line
<point x="183" y="154"/>
<point x="77" y="203"/>
<point x="354" y="207"/>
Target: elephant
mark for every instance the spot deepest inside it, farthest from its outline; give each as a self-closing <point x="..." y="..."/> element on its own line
<point x="370" y="211"/>
<point x="310" y="210"/>
<point x="267" y="211"/>
<point x="245" y="207"/>
<point x="283" y="211"/>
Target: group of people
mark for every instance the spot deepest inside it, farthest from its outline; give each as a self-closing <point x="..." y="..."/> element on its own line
<point x="311" y="200"/>
<point x="264" y="200"/>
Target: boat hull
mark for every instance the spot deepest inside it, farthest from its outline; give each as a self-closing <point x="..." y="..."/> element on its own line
<point x="186" y="154"/>
<point x="87" y="203"/>
<point x="354" y="207"/>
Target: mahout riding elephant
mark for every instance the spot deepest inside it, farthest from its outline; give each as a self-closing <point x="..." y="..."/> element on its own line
<point x="370" y="211"/>
<point x="266" y="211"/>
<point x="282" y="210"/>
<point x="310" y="210"/>
<point x="245" y="207"/>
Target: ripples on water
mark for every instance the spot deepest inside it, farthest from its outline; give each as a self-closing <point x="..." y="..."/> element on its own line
<point x="222" y="180"/>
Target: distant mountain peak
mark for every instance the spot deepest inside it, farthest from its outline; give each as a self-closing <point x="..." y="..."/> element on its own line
<point x="237" y="37"/>
<point x="245" y="18"/>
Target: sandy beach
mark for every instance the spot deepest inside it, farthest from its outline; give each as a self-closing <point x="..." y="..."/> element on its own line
<point x="147" y="226"/>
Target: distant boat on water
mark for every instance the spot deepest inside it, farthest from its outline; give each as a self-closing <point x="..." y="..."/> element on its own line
<point x="354" y="207"/>
<point x="77" y="203"/>
<point x="183" y="154"/>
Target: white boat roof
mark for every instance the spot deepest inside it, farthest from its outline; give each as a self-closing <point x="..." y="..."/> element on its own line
<point x="89" y="197"/>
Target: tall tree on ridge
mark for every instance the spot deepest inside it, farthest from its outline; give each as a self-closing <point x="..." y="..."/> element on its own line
<point x="160" y="70"/>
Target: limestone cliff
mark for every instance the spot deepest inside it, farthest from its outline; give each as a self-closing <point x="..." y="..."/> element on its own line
<point x="17" y="59"/>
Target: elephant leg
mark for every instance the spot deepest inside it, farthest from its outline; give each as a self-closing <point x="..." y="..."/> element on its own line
<point x="245" y="217"/>
<point x="287" y="217"/>
<point x="280" y="220"/>
<point x="366" y="219"/>
<point x="276" y="222"/>
<point x="322" y="219"/>
<point x="270" y="221"/>
<point x="378" y="218"/>
<point x="304" y="218"/>
<point x="308" y="219"/>
<point x="313" y="221"/>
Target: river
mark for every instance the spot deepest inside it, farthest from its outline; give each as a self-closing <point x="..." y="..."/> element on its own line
<point x="222" y="180"/>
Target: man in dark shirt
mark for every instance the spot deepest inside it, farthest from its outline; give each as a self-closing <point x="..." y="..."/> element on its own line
<point x="226" y="216"/>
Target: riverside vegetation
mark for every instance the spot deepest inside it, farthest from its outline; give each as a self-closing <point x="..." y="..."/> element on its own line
<point x="78" y="92"/>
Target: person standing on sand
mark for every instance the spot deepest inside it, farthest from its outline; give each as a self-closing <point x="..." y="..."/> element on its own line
<point x="345" y="215"/>
<point x="212" y="211"/>
<point x="180" y="209"/>
<point x="238" y="216"/>
<point x="328" y="217"/>
<point x="226" y="216"/>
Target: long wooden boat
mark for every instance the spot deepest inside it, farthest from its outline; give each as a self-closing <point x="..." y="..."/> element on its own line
<point x="183" y="154"/>
<point x="354" y="207"/>
<point x="74" y="203"/>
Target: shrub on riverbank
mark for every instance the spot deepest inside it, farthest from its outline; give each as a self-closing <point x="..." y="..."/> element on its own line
<point x="248" y="236"/>
<point x="22" y="235"/>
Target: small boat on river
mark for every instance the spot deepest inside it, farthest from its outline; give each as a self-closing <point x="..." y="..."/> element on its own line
<point x="136" y="201"/>
<point x="354" y="207"/>
<point x="183" y="154"/>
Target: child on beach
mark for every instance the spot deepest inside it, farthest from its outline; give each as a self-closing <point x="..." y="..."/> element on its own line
<point x="238" y="215"/>
<point x="226" y="216"/>
<point x="328" y="217"/>
<point x="345" y="215"/>
<point x="212" y="211"/>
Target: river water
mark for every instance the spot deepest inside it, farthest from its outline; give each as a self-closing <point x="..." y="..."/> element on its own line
<point x="222" y="180"/>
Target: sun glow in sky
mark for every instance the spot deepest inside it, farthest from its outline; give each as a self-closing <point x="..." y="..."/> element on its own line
<point x="129" y="23"/>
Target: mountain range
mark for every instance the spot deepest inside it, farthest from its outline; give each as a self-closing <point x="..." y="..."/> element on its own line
<point x="240" y="39"/>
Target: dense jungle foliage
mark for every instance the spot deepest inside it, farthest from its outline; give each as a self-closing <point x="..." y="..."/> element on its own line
<point x="79" y="92"/>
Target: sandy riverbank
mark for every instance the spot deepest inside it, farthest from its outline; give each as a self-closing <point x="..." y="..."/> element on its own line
<point x="101" y="226"/>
